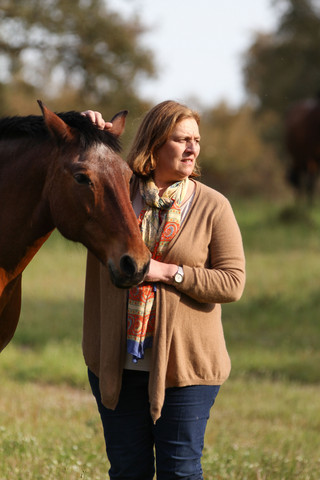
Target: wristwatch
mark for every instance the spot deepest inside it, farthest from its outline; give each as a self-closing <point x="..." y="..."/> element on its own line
<point x="179" y="276"/>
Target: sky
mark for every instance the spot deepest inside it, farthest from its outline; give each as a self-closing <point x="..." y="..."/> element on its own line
<point x="198" y="46"/>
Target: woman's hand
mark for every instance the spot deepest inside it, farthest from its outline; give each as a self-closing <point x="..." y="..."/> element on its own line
<point x="161" y="272"/>
<point x="97" y="119"/>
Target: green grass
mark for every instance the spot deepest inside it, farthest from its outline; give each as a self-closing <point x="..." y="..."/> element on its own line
<point x="264" y="430"/>
<point x="274" y="329"/>
<point x="265" y="424"/>
<point x="53" y="286"/>
<point x="49" y="432"/>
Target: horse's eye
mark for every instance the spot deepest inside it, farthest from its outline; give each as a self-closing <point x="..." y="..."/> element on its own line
<point x="82" y="179"/>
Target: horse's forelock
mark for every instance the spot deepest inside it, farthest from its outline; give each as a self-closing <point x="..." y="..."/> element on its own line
<point x="89" y="133"/>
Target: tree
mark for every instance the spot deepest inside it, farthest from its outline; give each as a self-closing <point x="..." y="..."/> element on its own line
<point x="233" y="158"/>
<point x="80" y="51"/>
<point x="283" y="66"/>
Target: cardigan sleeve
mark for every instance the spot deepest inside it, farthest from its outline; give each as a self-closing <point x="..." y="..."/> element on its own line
<point x="222" y="278"/>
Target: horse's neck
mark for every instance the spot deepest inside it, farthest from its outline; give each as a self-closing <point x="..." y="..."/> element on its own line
<point x="26" y="218"/>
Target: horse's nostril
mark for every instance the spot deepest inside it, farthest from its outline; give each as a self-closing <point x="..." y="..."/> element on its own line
<point x="128" y="265"/>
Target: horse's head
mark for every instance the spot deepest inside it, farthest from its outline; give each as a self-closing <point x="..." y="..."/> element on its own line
<point x="88" y="192"/>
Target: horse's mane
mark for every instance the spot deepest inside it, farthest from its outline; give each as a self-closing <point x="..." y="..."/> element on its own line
<point x="33" y="126"/>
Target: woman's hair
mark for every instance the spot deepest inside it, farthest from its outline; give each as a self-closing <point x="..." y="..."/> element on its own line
<point x="153" y="132"/>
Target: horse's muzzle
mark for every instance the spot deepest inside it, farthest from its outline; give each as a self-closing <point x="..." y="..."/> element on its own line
<point x="128" y="274"/>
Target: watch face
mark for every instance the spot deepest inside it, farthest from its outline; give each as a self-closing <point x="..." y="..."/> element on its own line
<point x="178" y="278"/>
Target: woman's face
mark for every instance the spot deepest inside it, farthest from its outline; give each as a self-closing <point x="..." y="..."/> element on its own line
<point x="175" y="160"/>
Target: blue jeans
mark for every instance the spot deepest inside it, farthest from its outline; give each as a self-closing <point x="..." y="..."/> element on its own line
<point x="177" y="437"/>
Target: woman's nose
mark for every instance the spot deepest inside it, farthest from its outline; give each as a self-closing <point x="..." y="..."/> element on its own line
<point x="192" y="145"/>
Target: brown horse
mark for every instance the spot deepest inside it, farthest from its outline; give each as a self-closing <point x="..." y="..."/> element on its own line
<point x="302" y="138"/>
<point x="61" y="171"/>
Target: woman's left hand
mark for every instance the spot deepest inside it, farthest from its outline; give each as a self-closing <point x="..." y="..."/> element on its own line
<point x="161" y="272"/>
<point x="97" y="119"/>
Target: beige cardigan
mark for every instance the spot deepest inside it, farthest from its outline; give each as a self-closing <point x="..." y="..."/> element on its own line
<point x="188" y="345"/>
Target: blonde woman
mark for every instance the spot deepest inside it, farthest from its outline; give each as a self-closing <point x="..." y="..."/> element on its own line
<point x="156" y="354"/>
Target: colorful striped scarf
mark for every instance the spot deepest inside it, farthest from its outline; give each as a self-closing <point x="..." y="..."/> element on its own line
<point x="159" y="222"/>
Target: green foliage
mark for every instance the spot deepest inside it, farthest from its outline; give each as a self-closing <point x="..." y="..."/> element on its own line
<point x="234" y="157"/>
<point x="282" y="66"/>
<point x="79" y="55"/>
<point x="81" y="52"/>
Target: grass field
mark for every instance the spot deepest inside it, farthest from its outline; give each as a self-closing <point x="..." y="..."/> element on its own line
<point x="266" y="422"/>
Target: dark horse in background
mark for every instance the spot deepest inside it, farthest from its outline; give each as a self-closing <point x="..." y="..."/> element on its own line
<point x="302" y="139"/>
<point x="62" y="171"/>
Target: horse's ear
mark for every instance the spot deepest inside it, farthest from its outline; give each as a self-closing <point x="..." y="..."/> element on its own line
<point x="118" y="123"/>
<point x="56" y="126"/>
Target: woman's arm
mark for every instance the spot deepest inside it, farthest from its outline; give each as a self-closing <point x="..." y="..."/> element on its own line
<point x="211" y="253"/>
<point x="223" y="280"/>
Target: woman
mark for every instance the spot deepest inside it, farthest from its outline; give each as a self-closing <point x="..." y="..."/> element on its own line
<point x="156" y="354"/>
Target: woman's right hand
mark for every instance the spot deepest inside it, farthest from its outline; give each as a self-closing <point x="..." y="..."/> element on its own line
<point x="97" y="119"/>
<point x="161" y="272"/>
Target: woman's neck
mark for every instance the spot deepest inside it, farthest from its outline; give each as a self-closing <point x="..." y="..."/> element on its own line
<point x="162" y="190"/>
<point x="189" y="192"/>
<point x="163" y="185"/>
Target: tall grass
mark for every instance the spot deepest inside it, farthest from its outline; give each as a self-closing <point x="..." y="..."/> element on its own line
<point x="265" y="424"/>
